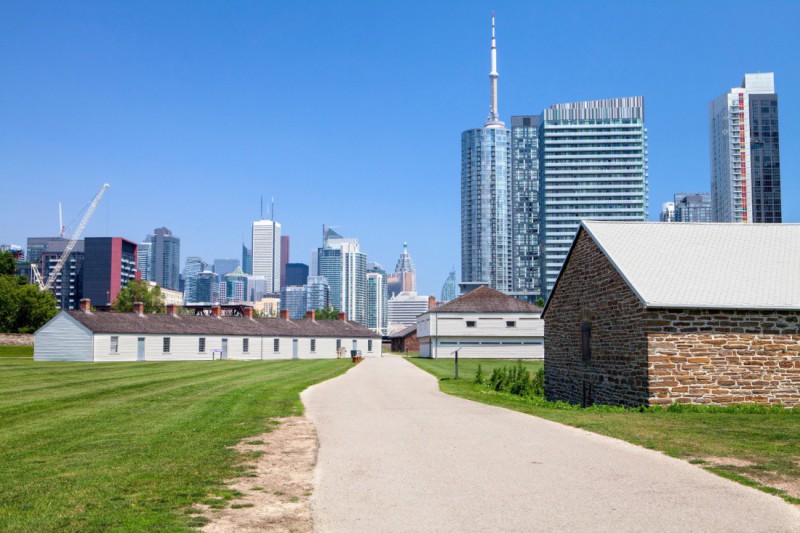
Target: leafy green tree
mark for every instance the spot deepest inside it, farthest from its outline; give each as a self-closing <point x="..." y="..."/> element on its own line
<point x="540" y="302"/>
<point x="139" y="291"/>
<point x="23" y="307"/>
<point x="326" y="313"/>
<point x="7" y="265"/>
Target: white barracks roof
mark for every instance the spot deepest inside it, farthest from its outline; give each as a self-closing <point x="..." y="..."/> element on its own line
<point x="711" y="266"/>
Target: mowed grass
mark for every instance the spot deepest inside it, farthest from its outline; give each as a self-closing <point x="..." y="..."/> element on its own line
<point x="16" y="351"/>
<point x="130" y="446"/>
<point x="758" y="447"/>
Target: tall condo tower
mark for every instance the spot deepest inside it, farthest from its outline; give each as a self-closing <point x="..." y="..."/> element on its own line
<point x="744" y="153"/>
<point x="486" y="198"/>
<point x="594" y="167"/>
<point x="267" y="253"/>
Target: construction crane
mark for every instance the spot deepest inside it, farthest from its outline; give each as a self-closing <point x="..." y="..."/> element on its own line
<point x="46" y="285"/>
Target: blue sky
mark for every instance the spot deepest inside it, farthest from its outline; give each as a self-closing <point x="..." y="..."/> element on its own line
<point x="347" y="113"/>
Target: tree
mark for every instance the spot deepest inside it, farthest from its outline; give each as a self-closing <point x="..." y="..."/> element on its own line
<point x="8" y="267"/>
<point x="139" y="291"/>
<point x="326" y="313"/>
<point x="23" y="307"/>
<point x="540" y="302"/>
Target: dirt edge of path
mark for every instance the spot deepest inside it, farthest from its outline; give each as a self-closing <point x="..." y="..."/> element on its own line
<point x="276" y="492"/>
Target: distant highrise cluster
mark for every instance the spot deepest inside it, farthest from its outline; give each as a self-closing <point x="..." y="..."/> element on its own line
<point x="524" y="190"/>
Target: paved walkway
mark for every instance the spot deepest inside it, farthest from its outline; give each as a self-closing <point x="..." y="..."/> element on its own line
<point x="396" y="454"/>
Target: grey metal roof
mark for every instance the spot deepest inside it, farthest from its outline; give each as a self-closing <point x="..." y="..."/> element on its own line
<point x="108" y="322"/>
<point x="703" y="265"/>
<point x="486" y="300"/>
<point x="404" y="332"/>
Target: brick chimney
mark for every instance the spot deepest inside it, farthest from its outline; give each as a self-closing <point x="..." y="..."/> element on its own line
<point x="172" y="309"/>
<point x="311" y="314"/>
<point x="343" y="316"/>
<point x="247" y="312"/>
<point x="285" y="314"/>
<point x="431" y="302"/>
<point x="216" y="311"/>
<point x="85" y="305"/>
<point x="138" y="308"/>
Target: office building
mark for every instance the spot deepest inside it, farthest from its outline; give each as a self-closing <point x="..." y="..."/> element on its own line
<point x="525" y="251"/>
<point x="144" y="258"/>
<point x="293" y="299"/>
<point x="193" y="267"/>
<point x="109" y="264"/>
<point x="284" y="259"/>
<point x="68" y="284"/>
<point x="486" y="197"/>
<point x="345" y="267"/>
<point x="744" y="152"/>
<point x="406" y="307"/>
<point x="693" y="207"/>
<point x="594" y="157"/>
<point x="36" y="246"/>
<point x="166" y="259"/>
<point x="449" y="288"/>
<point x="225" y="266"/>
<point x="247" y="260"/>
<point x="296" y="274"/>
<point x="235" y="286"/>
<point x="267" y="253"/>
<point x="205" y="286"/>
<point x="667" y="212"/>
<point x="318" y="293"/>
<point x="377" y="299"/>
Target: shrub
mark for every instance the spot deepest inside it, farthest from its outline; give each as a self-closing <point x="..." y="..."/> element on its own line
<point x="479" y="375"/>
<point x="517" y="380"/>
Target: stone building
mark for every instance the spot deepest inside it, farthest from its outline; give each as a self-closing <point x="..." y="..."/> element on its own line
<point x="653" y="313"/>
<point x="405" y="340"/>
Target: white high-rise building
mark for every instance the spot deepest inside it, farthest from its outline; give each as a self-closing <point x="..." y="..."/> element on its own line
<point x="744" y="153"/>
<point x="406" y="307"/>
<point x="667" y="212"/>
<point x="267" y="253"/>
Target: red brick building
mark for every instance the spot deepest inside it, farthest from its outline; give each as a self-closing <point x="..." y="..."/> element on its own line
<point x="656" y="313"/>
<point x="405" y="340"/>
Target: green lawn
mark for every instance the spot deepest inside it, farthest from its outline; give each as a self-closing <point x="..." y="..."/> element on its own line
<point x="16" y="351"/>
<point x="130" y="446"/>
<point x="760" y="447"/>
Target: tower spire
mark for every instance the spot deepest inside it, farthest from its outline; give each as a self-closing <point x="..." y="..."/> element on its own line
<point x="494" y="117"/>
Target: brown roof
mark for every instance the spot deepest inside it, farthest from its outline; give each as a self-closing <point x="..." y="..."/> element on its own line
<point x="486" y="300"/>
<point x="405" y="332"/>
<point x="106" y="322"/>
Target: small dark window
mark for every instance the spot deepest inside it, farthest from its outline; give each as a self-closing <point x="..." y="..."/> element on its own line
<point x="276" y="345"/>
<point x="166" y="344"/>
<point x="313" y="345"/>
<point x="114" y="344"/>
<point x="245" y="345"/>
<point x="470" y="323"/>
<point x="511" y="323"/>
<point x="586" y="343"/>
<point x="338" y="343"/>
<point x="369" y="345"/>
<point x="201" y="345"/>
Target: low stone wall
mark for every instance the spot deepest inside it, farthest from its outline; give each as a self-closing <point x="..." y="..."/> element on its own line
<point x="16" y="340"/>
<point x="719" y="357"/>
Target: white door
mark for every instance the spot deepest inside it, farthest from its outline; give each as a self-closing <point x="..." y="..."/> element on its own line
<point x="140" y="349"/>
<point x="294" y="348"/>
<point x="224" y="354"/>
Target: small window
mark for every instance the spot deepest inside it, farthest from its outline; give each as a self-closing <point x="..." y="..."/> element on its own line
<point x="586" y="342"/>
<point x="245" y="345"/>
<point x="201" y="345"/>
<point x="276" y="345"/>
<point x="369" y="345"/>
<point x="470" y="323"/>
<point x="338" y="343"/>
<point x="114" y="344"/>
<point x="511" y="323"/>
<point x="166" y="345"/>
<point x="313" y="345"/>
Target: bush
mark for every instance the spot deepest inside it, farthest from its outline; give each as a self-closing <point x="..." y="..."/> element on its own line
<point x="479" y="375"/>
<point x="517" y="380"/>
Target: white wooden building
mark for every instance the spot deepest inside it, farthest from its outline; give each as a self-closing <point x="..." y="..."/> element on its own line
<point x="483" y="323"/>
<point x="82" y="335"/>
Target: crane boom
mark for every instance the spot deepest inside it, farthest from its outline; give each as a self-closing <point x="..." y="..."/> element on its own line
<point x="75" y="236"/>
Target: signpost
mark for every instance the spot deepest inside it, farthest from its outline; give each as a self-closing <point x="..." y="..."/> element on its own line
<point x="456" y="352"/>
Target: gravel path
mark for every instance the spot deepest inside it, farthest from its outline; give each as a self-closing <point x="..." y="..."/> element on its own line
<point x="396" y="454"/>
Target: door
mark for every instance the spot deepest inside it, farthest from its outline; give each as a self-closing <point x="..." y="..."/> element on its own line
<point x="294" y="348"/>
<point x="224" y="354"/>
<point x="140" y="349"/>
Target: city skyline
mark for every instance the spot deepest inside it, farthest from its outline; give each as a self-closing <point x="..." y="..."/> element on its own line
<point x="165" y="144"/>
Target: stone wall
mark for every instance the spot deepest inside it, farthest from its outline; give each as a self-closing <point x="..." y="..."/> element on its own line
<point x="16" y="340"/>
<point x="724" y="357"/>
<point x="592" y="291"/>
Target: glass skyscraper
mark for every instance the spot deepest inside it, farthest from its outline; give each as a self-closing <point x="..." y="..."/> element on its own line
<point x="693" y="207"/>
<point x="525" y="137"/>
<point x="594" y="166"/>
<point x="744" y="152"/>
<point x="486" y="198"/>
